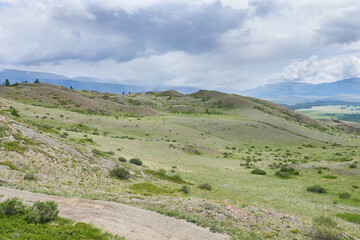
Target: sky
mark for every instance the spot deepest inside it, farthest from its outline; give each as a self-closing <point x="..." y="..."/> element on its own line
<point x="213" y="44"/>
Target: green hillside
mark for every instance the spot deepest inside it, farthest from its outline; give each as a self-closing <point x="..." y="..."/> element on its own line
<point x="71" y="139"/>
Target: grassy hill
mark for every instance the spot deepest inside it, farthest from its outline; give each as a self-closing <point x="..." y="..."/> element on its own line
<point x="71" y="139"/>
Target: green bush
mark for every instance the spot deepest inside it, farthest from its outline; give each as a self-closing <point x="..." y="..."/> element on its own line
<point x="120" y="173"/>
<point x="344" y="195"/>
<point x="325" y="228"/>
<point x="98" y="152"/>
<point x="205" y="186"/>
<point x="136" y="161"/>
<point x="42" y="212"/>
<point x="286" y="172"/>
<point x="11" y="207"/>
<point x="330" y="176"/>
<point x="15" y="112"/>
<point x="258" y="171"/>
<point x="30" y="176"/>
<point x="316" y="189"/>
<point x="185" y="189"/>
<point x="353" y="165"/>
<point x="122" y="159"/>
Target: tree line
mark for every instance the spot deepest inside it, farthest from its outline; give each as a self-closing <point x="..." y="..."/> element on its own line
<point x="7" y="83"/>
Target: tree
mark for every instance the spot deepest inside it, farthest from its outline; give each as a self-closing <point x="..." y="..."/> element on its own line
<point x="7" y="83"/>
<point x="71" y="87"/>
<point x="36" y="81"/>
<point x="123" y="93"/>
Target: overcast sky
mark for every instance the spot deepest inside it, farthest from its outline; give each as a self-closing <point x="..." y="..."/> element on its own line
<point x="235" y="44"/>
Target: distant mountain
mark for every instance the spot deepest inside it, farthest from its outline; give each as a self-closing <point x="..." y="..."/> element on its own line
<point x="85" y="83"/>
<point x="341" y="88"/>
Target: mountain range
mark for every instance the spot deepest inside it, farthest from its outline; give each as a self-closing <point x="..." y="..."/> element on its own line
<point x="342" y="89"/>
<point x="285" y="92"/>
<point x="85" y="83"/>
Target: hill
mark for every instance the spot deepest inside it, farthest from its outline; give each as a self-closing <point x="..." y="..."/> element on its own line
<point x="235" y="164"/>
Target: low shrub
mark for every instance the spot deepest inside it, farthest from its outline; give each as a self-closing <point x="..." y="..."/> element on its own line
<point x="122" y="159"/>
<point x="316" y="189"/>
<point x="120" y="173"/>
<point x="98" y="152"/>
<point x="136" y="161"/>
<point x="14" y="112"/>
<point x="258" y="171"/>
<point x="325" y="228"/>
<point x="286" y="172"/>
<point x="11" y="207"/>
<point x="42" y="212"/>
<point x="330" y="177"/>
<point x="205" y="186"/>
<point x="185" y="189"/>
<point x="30" y="176"/>
<point x="353" y="165"/>
<point x="344" y="195"/>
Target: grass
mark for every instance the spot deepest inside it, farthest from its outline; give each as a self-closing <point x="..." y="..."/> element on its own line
<point x="350" y="217"/>
<point x="211" y="134"/>
<point x="16" y="227"/>
<point x="150" y="189"/>
<point x="10" y="165"/>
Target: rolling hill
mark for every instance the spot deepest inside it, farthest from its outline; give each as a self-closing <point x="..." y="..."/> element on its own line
<point x="237" y="165"/>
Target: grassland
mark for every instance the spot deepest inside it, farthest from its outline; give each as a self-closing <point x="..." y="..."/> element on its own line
<point x="208" y="137"/>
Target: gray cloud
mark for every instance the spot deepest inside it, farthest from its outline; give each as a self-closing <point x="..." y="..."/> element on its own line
<point x="342" y="29"/>
<point x="98" y="33"/>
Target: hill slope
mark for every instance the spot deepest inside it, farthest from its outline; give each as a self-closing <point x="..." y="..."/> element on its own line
<point x="183" y="140"/>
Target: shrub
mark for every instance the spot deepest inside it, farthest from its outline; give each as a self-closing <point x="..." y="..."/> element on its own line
<point x="122" y="159"/>
<point x="185" y="189"/>
<point x="120" y="173"/>
<point x="11" y="207"/>
<point x="353" y="165"/>
<point x="162" y="171"/>
<point x="15" y="112"/>
<point x="316" y="189"/>
<point x="330" y="176"/>
<point x="258" y="171"/>
<point x="42" y="212"/>
<point x="325" y="228"/>
<point x="205" y="186"/>
<point x="136" y="161"/>
<point x="30" y="176"/>
<point x="286" y="172"/>
<point x="344" y="195"/>
<point x="98" y="152"/>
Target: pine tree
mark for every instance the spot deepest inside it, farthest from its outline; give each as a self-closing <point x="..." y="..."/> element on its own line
<point x="36" y="81"/>
<point x="7" y="83"/>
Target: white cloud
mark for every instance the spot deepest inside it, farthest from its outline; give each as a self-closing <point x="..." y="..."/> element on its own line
<point x="315" y="70"/>
<point x="206" y="43"/>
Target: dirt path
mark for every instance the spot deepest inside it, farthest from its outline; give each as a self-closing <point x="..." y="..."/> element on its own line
<point x="130" y="222"/>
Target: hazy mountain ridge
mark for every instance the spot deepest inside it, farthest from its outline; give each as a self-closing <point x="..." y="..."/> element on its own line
<point x="341" y="88"/>
<point x="85" y="83"/>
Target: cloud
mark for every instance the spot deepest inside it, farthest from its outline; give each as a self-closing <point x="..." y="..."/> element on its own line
<point x="315" y="70"/>
<point x="51" y="31"/>
<point x="342" y="29"/>
<point x="205" y="43"/>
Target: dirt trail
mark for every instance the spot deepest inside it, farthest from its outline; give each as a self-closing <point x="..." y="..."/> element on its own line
<point x="116" y="218"/>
